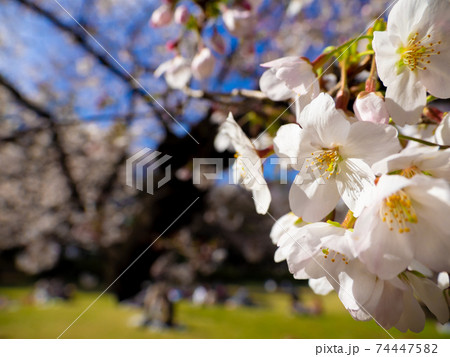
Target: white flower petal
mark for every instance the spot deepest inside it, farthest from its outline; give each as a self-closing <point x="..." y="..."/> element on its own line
<point x="370" y="142"/>
<point x="331" y="125"/>
<point x="279" y="62"/>
<point x="437" y="75"/>
<point x="262" y="199"/>
<point x="354" y="178"/>
<point x="403" y="160"/>
<point x="387" y="254"/>
<point x="371" y="108"/>
<point x="313" y="200"/>
<point x="301" y="101"/>
<point x="406" y="15"/>
<point x="431" y="295"/>
<point x="300" y="78"/>
<point x="435" y="162"/>
<point x="282" y="225"/>
<point x="389" y="184"/>
<point x="320" y="286"/>
<point x="443" y="280"/>
<point x="390" y="307"/>
<point x="436" y="23"/>
<point x="357" y="285"/>
<point x="287" y="142"/>
<point x="273" y="87"/>
<point x="443" y="131"/>
<point x="386" y="56"/>
<point x="405" y="98"/>
<point x="413" y="317"/>
<point x="238" y="138"/>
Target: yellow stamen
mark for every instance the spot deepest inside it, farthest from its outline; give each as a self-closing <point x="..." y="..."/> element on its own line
<point x="416" y="54"/>
<point x="400" y="212"/>
<point x="327" y="251"/>
<point x="326" y="161"/>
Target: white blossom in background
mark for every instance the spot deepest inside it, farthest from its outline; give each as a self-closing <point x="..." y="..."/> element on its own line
<point x="443" y="131"/>
<point x="405" y="220"/>
<point x="371" y="107"/>
<point x="290" y="78"/>
<point x="413" y="56"/>
<point x="203" y="64"/>
<point x="247" y="168"/>
<point x="419" y="131"/>
<point x="443" y="280"/>
<point x="177" y="72"/>
<point x="181" y="15"/>
<point x="295" y="7"/>
<point x="38" y="256"/>
<point x="336" y="152"/>
<point x="416" y="160"/>
<point x="239" y="22"/>
<point x="162" y="16"/>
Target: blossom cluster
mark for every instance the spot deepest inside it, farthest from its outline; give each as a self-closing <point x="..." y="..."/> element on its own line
<point x="385" y="255"/>
<point x="238" y="19"/>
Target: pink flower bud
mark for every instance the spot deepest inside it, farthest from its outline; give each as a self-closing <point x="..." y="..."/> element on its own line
<point x="371" y="107"/>
<point x="181" y="15"/>
<point x="171" y="45"/>
<point x="203" y="64"/>
<point x="162" y="16"/>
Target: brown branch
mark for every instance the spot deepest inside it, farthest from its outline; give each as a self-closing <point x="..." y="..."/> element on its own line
<point x="225" y="97"/>
<point x="55" y="137"/>
<point x="110" y="181"/>
<point x="78" y="35"/>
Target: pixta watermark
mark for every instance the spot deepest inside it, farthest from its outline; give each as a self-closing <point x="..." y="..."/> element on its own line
<point x="148" y="170"/>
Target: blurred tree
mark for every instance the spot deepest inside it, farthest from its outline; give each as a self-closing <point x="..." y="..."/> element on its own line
<point x="78" y="97"/>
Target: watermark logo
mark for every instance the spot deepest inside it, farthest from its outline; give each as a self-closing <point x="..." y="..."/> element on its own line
<point x="141" y="167"/>
<point x="149" y="168"/>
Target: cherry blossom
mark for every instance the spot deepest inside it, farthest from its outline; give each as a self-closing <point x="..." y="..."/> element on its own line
<point x="239" y="22"/>
<point x="203" y="64"/>
<point x="282" y="231"/>
<point x="370" y="106"/>
<point x="181" y="15"/>
<point x="413" y="56"/>
<point x="337" y="152"/>
<point x="162" y="16"/>
<point x="290" y="77"/>
<point x="391" y="230"/>
<point x="324" y="253"/>
<point x="176" y="71"/>
<point x="247" y="168"/>
<point x="416" y="160"/>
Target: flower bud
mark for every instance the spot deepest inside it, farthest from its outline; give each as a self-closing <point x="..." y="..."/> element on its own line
<point x="171" y="45"/>
<point x="342" y="99"/>
<point x="218" y="43"/>
<point x="162" y="16"/>
<point x="371" y="107"/>
<point x="238" y="22"/>
<point x="181" y="15"/>
<point x="203" y="64"/>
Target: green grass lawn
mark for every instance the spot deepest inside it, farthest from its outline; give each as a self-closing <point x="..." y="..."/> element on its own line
<point x="108" y="319"/>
